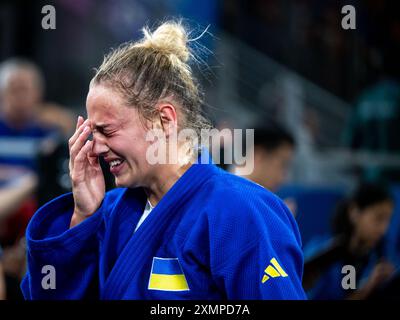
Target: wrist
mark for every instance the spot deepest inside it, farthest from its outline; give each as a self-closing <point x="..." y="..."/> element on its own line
<point x="76" y="219"/>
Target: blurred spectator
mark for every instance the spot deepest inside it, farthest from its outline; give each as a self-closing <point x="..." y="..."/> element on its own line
<point x="359" y="226"/>
<point x="374" y="125"/>
<point x="376" y="118"/>
<point x="23" y="137"/>
<point x="21" y="90"/>
<point x="273" y="153"/>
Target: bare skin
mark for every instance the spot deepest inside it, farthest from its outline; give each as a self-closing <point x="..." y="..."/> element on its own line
<point x="118" y="134"/>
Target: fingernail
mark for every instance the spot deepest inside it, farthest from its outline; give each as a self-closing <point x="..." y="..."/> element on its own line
<point x="86" y="129"/>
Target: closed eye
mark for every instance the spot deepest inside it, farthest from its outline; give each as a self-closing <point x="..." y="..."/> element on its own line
<point x="103" y="130"/>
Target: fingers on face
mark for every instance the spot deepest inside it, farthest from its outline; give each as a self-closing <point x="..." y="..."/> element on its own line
<point x="80" y="127"/>
<point x="93" y="159"/>
<point x="79" y="122"/>
<point x="80" y="140"/>
<point x="81" y="160"/>
<point x="77" y="141"/>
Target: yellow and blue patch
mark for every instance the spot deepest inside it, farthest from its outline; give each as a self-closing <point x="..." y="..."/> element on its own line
<point x="167" y="275"/>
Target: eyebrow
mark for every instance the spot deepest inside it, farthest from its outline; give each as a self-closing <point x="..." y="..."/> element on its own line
<point x="101" y="126"/>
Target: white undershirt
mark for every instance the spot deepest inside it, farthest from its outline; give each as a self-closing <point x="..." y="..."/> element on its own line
<point x="145" y="214"/>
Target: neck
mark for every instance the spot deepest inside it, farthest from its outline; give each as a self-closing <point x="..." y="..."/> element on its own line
<point x="164" y="181"/>
<point x="13" y="122"/>
<point x="357" y="246"/>
<point x="164" y="178"/>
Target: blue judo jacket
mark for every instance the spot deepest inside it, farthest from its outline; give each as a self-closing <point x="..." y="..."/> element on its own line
<point x="212" y="236"/>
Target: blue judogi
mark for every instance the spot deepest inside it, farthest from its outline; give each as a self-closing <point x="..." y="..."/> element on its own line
<point x="212" y="236"/>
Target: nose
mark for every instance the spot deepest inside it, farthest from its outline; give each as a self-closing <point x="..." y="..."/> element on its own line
<point x="100" y="147"/>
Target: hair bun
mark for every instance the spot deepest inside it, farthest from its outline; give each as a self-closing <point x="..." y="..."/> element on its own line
<point x="170" y="37"/>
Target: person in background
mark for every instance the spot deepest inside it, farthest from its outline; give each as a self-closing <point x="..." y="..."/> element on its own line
<point x="273" y="152"/>
<point x="359" y="226"/>
<point x="21" y="131"/>
<point x="372" y="127"/>
<point x="23" y="136"/>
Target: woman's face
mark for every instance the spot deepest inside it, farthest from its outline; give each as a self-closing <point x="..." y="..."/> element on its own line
<point x="119" y="136"/>
<point x="372" y="223"/>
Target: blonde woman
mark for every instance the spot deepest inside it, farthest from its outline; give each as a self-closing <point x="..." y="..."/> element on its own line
<point x="176" y="230"/>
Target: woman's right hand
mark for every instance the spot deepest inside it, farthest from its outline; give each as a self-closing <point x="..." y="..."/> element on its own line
<point x="88" y="186"/>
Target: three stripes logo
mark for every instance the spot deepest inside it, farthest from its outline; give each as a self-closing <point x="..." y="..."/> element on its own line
<point x="273" y="270"/>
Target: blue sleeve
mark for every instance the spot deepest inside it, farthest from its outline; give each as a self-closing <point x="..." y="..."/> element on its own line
<point x="256" y="248"/>
<point x="62" y="262"/>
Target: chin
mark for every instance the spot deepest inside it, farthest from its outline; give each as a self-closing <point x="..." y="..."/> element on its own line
<point x="124" y="183"/>
<point x="120" y="184"/>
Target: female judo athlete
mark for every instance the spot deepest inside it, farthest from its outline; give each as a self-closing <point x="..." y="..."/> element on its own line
<point x="183" y="230"/>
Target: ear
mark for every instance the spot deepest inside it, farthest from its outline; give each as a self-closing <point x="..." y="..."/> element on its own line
<point x="168" y="118"/>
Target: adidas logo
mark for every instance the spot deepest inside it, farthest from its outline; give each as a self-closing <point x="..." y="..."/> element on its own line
<point x="274" y="270"/>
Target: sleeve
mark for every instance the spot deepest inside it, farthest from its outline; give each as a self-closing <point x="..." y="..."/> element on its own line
<point x="255" y="249"/>
<point x="62" y="262"/>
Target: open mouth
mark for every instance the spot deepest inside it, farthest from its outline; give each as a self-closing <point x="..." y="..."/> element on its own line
<point x="116" y="165"/>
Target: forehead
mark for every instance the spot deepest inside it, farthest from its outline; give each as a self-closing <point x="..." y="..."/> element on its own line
<point x="105" y="105"/>
<point x="21" y="76"/>
<point x="384" y="208"/>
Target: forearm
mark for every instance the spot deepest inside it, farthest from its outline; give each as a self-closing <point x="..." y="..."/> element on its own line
<point x="12" y="196"/>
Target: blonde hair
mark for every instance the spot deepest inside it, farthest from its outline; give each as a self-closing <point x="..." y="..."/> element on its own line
<point x="154" y="68"/>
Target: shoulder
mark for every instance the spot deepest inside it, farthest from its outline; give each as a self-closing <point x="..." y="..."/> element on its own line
<point x="238" y="204"/>
<point x="39" y="130"/>
<point x="4" y="128"/>
<point x="223" y="181"/>
<point x="229" y="191"/>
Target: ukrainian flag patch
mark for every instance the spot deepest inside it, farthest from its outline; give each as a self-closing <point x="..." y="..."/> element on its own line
<point x="167" y="275"/>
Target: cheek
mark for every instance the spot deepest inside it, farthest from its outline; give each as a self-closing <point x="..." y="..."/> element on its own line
<point x="367" y="227"/>
<point x="130" y="148"/>
<point x="277" y="170"/>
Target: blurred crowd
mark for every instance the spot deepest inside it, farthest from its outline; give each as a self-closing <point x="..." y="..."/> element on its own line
<point x="30" y="131"/>
<point x="361" y="226"/>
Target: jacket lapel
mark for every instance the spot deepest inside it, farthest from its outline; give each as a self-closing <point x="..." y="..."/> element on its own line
<point x="122" y="222"/>
<point x="142" y="246"/>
